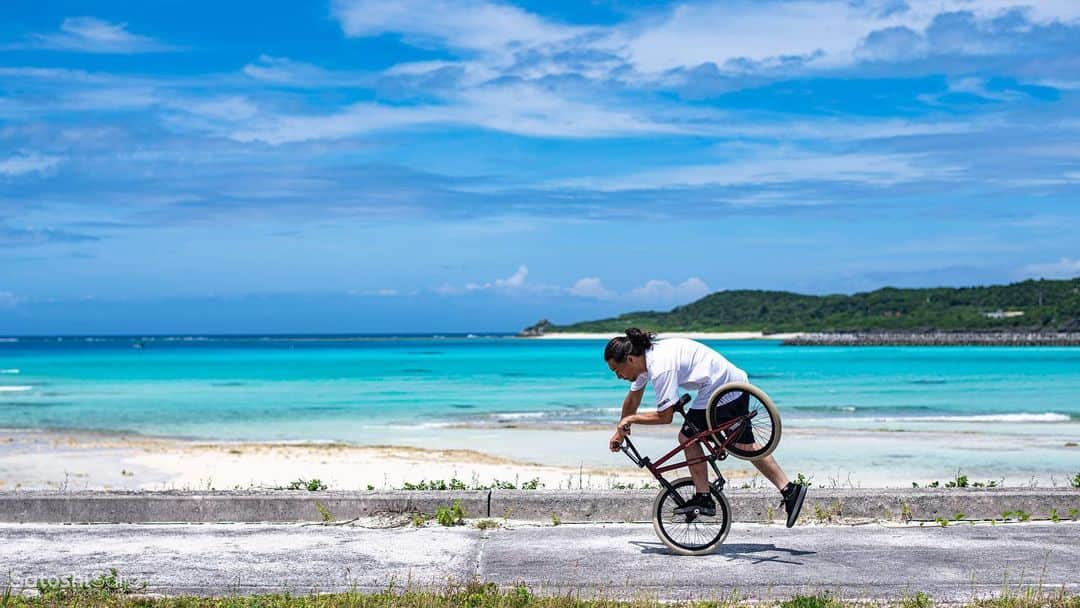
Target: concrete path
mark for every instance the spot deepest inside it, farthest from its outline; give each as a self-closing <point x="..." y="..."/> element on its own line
<point x="954" y="563"/>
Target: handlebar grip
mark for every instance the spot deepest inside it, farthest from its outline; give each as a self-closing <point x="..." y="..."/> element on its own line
<point x="683" y="400"/>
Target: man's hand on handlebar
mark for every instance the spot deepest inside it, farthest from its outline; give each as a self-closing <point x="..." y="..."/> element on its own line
<point x="621" y="431"/>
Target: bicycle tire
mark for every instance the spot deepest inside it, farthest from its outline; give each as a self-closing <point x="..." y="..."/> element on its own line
<point x="674" y="530"/>
<point x="766" y="429"/>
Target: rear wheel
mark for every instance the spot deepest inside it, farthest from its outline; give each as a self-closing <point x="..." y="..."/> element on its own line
<point x="690" y="534"/>
<point x="763" y="434"/>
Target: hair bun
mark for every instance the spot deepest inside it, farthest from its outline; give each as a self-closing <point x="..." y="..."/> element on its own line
<point x="640" y="339"/>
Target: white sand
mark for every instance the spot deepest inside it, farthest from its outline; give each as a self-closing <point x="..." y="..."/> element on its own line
<point x="76" y="460"/>
<point x="831" y="457"/>
<point x="727" y="335"/>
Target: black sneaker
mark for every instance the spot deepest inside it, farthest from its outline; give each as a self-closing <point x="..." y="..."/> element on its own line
<point x="793" y="498"/>
<point x="701" y="504"/>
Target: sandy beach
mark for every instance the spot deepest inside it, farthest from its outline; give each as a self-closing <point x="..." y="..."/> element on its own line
<point x="563" y="459"/>
<point x="86" y="460"/>
<point x="727" y="335"/>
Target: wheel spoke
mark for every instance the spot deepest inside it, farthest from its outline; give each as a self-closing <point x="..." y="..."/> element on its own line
<point x="689" y="533"/>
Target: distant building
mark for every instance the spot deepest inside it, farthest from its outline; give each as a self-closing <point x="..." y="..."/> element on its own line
<point x="1003" y="314"/>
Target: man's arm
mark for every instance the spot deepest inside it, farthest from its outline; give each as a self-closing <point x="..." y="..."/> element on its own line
<point x="629" y="409"/>
<point x="664" y="416"/>
<point x="631" y="404"/>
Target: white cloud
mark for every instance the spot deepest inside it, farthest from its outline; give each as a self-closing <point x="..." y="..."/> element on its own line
<point x="657" y="291"/>
<point x="284" y="71"/>
<point x="91" y="35"/>
<point x="461" y="24"/>
<point x="735" y="35"/>
<point x="381" y="293"/>
<point x="653" y="293"/>
<point x="871" y="169"/>
<point x="1065" y="268"/>
<point x="591" y="287"/>
<point x="824" y="34"/>
<point x="513" y="283"/>
<point x="223" y="108"/>
<point x="9" y="300"/>
<point x="972" y="86"/>
<point x="29" y="163"/>
<point x="515" y="280"/>
<point x="521" y="109"/>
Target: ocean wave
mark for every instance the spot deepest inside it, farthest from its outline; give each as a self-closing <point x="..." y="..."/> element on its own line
<point x="825" y="408"/>
<point x="1043" y="417"/>
<point x="9" y="339"/>
<point x="9" y="371"/>
<point x="15" y="389"/>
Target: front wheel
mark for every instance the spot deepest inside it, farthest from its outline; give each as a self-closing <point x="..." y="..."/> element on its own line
<point x="755" y="440"/>
<point x="690" y="534"/>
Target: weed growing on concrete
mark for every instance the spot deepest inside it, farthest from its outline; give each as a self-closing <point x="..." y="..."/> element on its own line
<point x="555" y="519"/>
<point x="456" y="484"/>
<point x="942" y="522"/>
<point x="327" y="517"/>
<point x="622" y="485"/>
<point x="486" y="524"/>
<point x="418" y="520"/>
<point x="1074" y="513"/>
<point x="436" y="484"/>
<point x="453" y="515"/>
<point x="311" y="485"/>
<point x="104" y="585"/>
<point x="476" y="594"/>
<point x="830" y="513"/>
<point x="1054" y="517"/>
<point x="905" y="512"/>
<point x="1018" y="514"/>
<point x="919" y="600"/>
<point x="821" y="600"/>
<point x="960" y="481"/>
<point x="1075" y="481"/>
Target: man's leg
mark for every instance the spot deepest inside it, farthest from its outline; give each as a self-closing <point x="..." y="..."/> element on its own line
<point x="699" y="471"/>
<point x="792" y="494"/>
<point x="772" y="471"/>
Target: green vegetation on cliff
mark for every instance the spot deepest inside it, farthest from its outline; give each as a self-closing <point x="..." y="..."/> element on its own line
<point x="1041" y="305"/>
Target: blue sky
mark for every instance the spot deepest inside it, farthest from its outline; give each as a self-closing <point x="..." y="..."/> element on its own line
<point x="465" y="165"/>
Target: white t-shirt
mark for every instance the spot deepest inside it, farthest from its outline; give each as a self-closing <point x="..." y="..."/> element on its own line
<point x="680" y="363"/>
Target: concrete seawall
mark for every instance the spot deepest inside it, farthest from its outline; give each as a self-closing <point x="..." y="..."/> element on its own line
<point x="935" y="339"/>
<point x="566" y="506"/>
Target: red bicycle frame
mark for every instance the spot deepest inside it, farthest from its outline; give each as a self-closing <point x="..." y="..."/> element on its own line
<point x="714" y="441"/>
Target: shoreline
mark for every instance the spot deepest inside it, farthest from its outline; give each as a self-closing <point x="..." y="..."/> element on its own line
<point x="804" y="338"/>
<point x="693" y="335"/>
<point x="934" y="338"/>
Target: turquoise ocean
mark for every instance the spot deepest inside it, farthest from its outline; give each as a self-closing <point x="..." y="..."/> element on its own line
<point x="372" y="389"/>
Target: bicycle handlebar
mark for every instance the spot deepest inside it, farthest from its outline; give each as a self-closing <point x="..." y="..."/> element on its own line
<point x="627" y="447"/>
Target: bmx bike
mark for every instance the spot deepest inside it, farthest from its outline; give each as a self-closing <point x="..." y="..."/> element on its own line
<point x="752" y="433"/>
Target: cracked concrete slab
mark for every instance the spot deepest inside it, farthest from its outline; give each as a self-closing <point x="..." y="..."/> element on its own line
<point x="953" y="563"/>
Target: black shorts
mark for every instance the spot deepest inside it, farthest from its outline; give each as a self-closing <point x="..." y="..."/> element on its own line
<point x="726" y="411"/>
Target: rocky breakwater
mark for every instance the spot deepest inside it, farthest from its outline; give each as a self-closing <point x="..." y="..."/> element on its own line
<point x="936" y="339"/>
